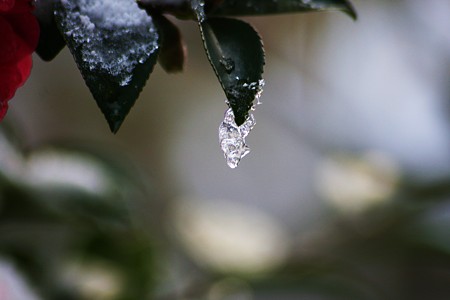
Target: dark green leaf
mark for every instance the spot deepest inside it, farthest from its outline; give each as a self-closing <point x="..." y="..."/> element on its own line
<point x="179" y="8"/>
<point x="115" y="45"/>
<point x="51" y="41"/>
<point x="236" y="53"/>
<point x="173" y="51"/>
<point x="264" y="7"/>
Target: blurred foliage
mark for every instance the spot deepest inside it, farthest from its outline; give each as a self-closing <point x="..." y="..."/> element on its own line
<point x="49" y="226"/>
<point x="77" y="243"/>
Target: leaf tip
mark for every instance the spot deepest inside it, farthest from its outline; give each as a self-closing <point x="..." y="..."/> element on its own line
<point x="350" y="10"/>
<point x="239" y="120"/>
<point x="114" y="125"/>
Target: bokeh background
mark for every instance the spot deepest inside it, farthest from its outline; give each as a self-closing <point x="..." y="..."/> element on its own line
<point x="345" y="194"/>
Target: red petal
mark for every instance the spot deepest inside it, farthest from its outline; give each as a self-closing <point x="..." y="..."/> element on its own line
<point x="14" y="76"/>
<point x="3" y="109"/>
<point x="19" y="35"/>
<point x="11" y="78"/>
<point x="22" y="6"/>
<point x="9" y="81"/>
<point x="24" y="68"/>
<point x="12" y="48"/>
<point x="26" y="27"/>
<point x="6" y="5"/>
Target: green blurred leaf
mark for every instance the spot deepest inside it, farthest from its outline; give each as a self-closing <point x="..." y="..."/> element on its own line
<point x="130" y="252"/>
<point x="47" y="221"/>
<point x="264" y="7"/>
<point x="236" y="53"/>
<point x="115" y="45"/>
<point x="330" y="285"/>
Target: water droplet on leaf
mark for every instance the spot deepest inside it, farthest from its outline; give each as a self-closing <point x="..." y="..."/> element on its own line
<point x="228" y="64"/>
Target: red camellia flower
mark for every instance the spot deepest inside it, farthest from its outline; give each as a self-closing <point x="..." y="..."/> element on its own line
<point x="19" y="34"/>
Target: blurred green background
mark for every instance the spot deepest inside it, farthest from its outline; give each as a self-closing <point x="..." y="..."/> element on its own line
<point x="345" y="195"/>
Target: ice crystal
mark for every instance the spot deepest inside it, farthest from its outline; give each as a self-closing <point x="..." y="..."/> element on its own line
<point x="199" y="8"/>
<point x="232" y="138"/>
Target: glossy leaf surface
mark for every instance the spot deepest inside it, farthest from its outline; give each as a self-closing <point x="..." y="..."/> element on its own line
<point x="265" y="7"/>
<point x="236" y="53"/>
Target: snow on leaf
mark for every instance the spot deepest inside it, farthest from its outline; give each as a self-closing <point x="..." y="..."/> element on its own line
<point x="115" y="45"/>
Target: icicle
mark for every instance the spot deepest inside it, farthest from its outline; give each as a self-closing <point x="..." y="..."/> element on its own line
<point x="232" y="138"/>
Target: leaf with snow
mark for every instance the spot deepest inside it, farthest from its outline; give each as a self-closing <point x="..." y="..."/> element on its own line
<point x="115" y="45"/>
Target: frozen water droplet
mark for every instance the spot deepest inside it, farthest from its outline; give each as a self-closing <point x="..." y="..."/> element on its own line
<point x="228" y="64"/>
<point x="199" y="8"/>
<point x="232" y="138"/>
<point x="259" y="90"/>
<point x="247" y="126"/>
